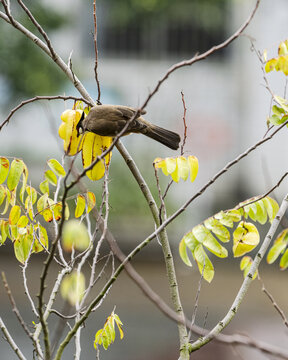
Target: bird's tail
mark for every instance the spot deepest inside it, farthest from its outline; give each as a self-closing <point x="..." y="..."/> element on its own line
<point x="165" y="137"/>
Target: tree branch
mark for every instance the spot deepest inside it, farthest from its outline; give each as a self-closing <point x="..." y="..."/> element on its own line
<point x="37" y="98"/>
<point x="247" y="281"/>
<point x="202" y="56"/>
<point x="10" y="341"/>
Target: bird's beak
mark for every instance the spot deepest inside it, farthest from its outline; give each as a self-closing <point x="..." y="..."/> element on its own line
<point x="79" y="126"/>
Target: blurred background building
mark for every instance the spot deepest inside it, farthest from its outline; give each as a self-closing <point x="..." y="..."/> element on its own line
<point x="227" y="106"/>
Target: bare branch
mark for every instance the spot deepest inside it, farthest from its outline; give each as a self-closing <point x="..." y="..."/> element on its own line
<point x="184" y="123"/>
<point x="96" y="53"/>
<point x="247" y="281"/>
<point x="39" y="28"/>
<point x="18" y="315"/>
<point x="202" y="56"/>
<point x="271" y="298"/>
<point x="10" y="341"/>
<point x="37" y="98"/>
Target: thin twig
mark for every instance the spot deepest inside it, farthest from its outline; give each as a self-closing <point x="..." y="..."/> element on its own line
<point x="37" y="98"/>
<point x="184" y="123"/>
<point x="202" y="56"/>
<point x="10" y="341"/>
<point x="39" y="28"/>
<point x="162" y="204"/>
<point x="196" y="300"/>
<point x="19" y="317"/>
<point x="96" y="52"/>
<point x="271" y="298"/>
<point x="247" y="281"/>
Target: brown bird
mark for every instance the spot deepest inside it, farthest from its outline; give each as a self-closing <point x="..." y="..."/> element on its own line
<point x="109" y="120"/>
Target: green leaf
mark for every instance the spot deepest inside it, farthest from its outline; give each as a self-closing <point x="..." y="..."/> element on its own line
<point x="278" y="110"/>
<point x="41" y="241"/>
<point x="278" y="247"/>
<point x="218" y="229"/>
<point x="24" y="182"/>
<point x="15" y="172"/>
<point x="261" y="214"/>
<point x="75" y="235"/>
<point x="203" y="261"/>
<point x="106" y="336"/>
<point x="3" y="191"/>
<point x="245" y="266"/>
<point x="14" y="215"/>
<point x="44" y="187"/>
<point x="190" y="241"/>
<point x="23" y="221"/>
<point x="4" y="227"/>
<point x="282" y="102"/>
<point x="204" y="236"/>
<point x="271" y="207"/>
<point x="4" y="169"/>
<point x="276" y="120"/>
<point x="284" y="261"/>
<point x="80" y="205"/>
<point x="183" y="253"/>
<point x="7" y="203"/>
<point x="56" y="167"/>
<point x="32" y="194"/>
<point x="228" y="218"/>
<point x="22" y="247"/>
<point x="51" y="177"/>
<point x="213" y="246"/>
<point x="251" y="210"/>
<point x="42" y="202"/>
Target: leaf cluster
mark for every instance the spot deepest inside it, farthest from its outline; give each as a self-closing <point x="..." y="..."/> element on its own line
<point x="89" y="144"/>
<point x="25" y="206"/>
<point x="106" y="336"/>
<point x="245" y="237"/>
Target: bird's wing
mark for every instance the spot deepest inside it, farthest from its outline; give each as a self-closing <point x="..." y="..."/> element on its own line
<point x="127" y="111"/>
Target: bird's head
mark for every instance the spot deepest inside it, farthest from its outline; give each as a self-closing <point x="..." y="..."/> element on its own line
<point x="79" y="126"/>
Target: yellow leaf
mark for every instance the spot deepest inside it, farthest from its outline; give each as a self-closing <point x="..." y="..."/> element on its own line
<point x="67" y="131"/>
<point x="193" y="167"/>
<point x="4" y="227"/>
<point x="56" y="167"/>
<point x="8" y="198"/>
<point x="23" y="221"/>
<point x="25" y="178"/>
<point x="245" y="238"/>
<point x="91" y="148"/>
<point x="183" y="253"/>
<point x="57" y="211"/>
<point x="4" y="169"/>
<point x="3" y="191"/>
<point x="80" y="205"/>
<point x="51" y="177"/>
<point x="22" y="247"/>
<point x="44" y="187"/>
<point x="183" y="167"/>
<point x="41" y="241"/>
<point x="91" y="201"/>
